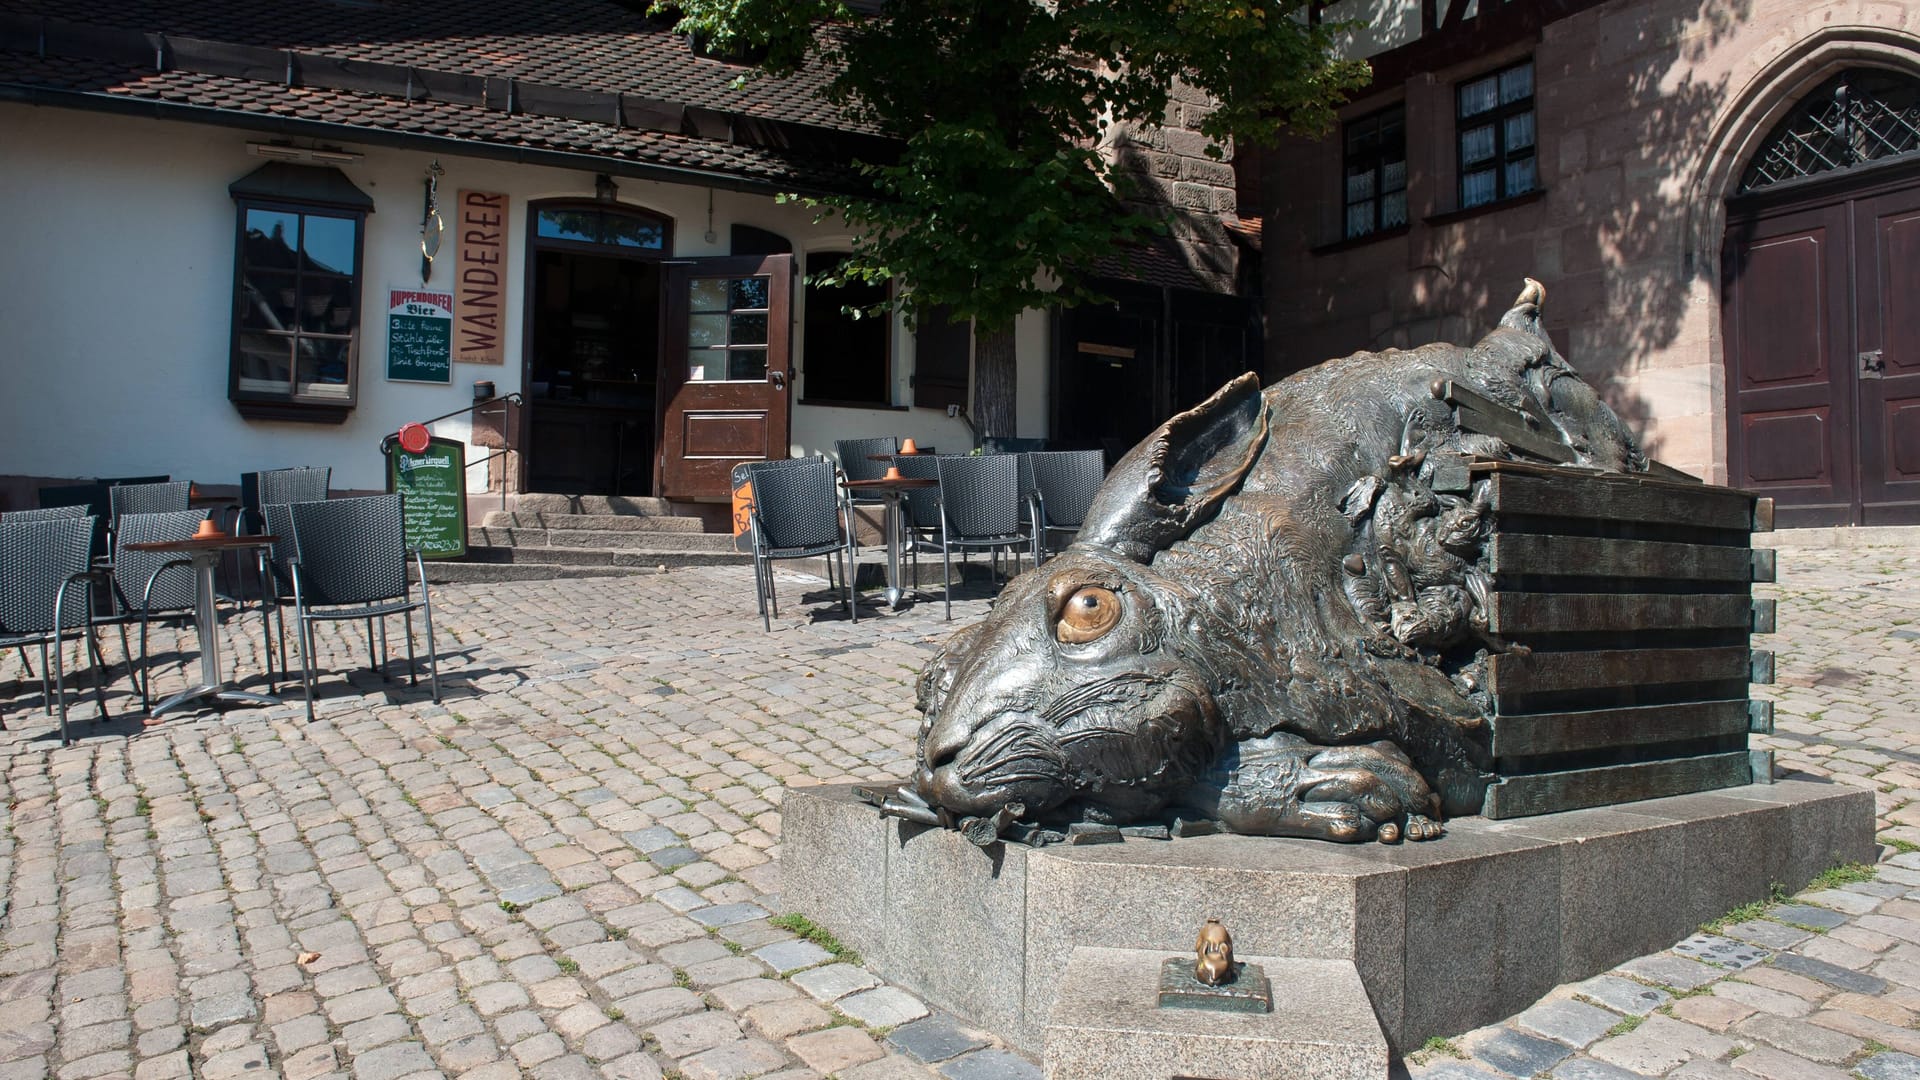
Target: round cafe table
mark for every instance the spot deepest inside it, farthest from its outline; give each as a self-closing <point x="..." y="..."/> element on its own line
<point x="891" y="489"/>
<point x="205" y="554"/>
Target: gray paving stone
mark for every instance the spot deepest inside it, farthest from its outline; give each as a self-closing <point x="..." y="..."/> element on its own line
<point x="835" y="981"/>
<point x="1722" y="951"/>
<point x="934" y="1039"/>
<point x="1516" y="1053"/>
<point x="673" y="857"/>
<point x="1805" y="915"/>
<point x="1832" y="974"/>
<point x="990" y="1065"/>
<point x="1767" y="933"/>
<point x="785" y="957"/>
<point x="728" y="914"/>
<point x="1890" y="1065"/>
<point x="651" y="839"/>
<point x="884" y="1007"/>
<point x="1588" y="1069"/>
<point x="1575" y="1023"/>
<point x="1623" y="995"/>
<point x="1679" y="972"/>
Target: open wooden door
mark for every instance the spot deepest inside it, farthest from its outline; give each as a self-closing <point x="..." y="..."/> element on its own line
<point x="725" y="373"/>
<point x="1887" y="277"/>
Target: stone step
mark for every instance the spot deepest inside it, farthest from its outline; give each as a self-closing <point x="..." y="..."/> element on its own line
<point x="608" y="539"/>
<point x="523" y="519"/>
<point x="596" y="505"/>
<point x="572" y="556"/>
<point x="1107" y="1022"/>
<point x="448" y="572"/>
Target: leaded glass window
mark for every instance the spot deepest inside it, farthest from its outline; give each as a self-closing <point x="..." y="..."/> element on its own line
<point x="1495" y="124"/>
<point x="1857" y="116"/>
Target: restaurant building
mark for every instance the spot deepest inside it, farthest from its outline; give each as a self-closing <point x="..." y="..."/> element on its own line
<point x="242" y="236"/>
<point x="1722" y="200"/>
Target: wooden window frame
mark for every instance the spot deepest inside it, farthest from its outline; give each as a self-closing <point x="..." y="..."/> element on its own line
<point x="255" y="403"/>
<point x="1375" y="164"/>
<point x="1497" y="117"/>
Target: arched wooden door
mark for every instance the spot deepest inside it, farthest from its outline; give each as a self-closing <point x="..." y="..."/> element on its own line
<point x="1821" y="308"/>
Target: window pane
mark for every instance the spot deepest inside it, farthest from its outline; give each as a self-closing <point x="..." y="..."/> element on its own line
<point x="1393" y="210"/>
<point x="1516" y="84"/>
<point x="271" y="239"/>
<point x="1393" y="176"/>
<point x="706" y="365"/>
<point x="582" y="225"/>
<point x="1476" y="188"/>
<point x="705" y="331"/>
<point x="747" y="364"/>
<point x="635" y="232"/>
<point x="266" y="362"/>
<point x="1476" y="144"/>
<point x="749" y="329"/>
<point x="327" y="243"/>
<point x="322" y="364"/>
<point x="1478" y="97"/>
<point x="267" y="300"/>
<point x="749" y="292"/>
<point x="1520" y="176"/>
<point x="1360" y="185"/>
<point x="1519" y="131"/>
<point x="1360" y="219"/>
<point x="709" y="294"/>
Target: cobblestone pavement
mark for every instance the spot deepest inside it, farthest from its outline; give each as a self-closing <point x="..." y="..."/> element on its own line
<point x="569" y="867"/>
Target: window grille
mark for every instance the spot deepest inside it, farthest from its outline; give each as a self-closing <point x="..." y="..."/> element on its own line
<point x="1856" y="117"/>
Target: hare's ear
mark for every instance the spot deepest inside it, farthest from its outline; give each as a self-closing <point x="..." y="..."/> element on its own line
<point x="1177" y="477"/>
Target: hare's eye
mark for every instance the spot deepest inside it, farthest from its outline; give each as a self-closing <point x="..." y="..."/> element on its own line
<point x="1087" y="615"/>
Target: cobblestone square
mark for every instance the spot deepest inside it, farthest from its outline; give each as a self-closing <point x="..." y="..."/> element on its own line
<point x="570" y="867"/>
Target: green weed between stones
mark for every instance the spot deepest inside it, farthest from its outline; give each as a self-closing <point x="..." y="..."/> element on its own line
<point x="1849" y="874"/>
<point x="1626" y="1024"/>
<point x="567" y="965"/>
<point x="1436" y="1047"/>
<point x="512" y="908"/>
<point x="1904" y="847"/>
<point x="806" y="928"/>
<point x="1776" y="893"/>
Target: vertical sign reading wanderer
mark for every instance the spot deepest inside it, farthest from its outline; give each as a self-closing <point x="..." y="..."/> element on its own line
<point x="480" y="278"/>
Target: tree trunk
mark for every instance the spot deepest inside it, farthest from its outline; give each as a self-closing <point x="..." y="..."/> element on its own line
<point x="995" y="381"/>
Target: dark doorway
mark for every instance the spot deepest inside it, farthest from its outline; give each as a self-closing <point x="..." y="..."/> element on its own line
<point x="593" y="351"/>
<point x="1122" y="368"/>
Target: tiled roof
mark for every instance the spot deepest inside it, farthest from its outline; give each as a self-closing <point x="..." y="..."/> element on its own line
<point x="578" y="53"/>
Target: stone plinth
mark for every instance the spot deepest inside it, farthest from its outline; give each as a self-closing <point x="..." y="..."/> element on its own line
<point x="1105" y="1025"/>
<point x="1446" y="936"/>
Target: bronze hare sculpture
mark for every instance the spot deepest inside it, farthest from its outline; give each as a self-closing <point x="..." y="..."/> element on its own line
<point x="1271" y="617"/>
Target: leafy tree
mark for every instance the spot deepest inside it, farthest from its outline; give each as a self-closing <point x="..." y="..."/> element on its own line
<point x="1005" y="109"/>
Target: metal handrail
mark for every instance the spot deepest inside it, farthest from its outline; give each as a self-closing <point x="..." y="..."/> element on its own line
<point x="387" y="442"/>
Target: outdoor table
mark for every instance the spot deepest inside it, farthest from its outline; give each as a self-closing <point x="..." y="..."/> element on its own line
<point x="925" y="451"/>
<point x="891" y="489"/>
<point x="205" y="554"/>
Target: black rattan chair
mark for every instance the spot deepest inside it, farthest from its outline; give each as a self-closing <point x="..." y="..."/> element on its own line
<point x="45" y="513"/>
<point x="162" y="498"/>
<point x="1064" y="482"/>
<point x="305" y="483"/>
<point x="350" y="563"/>
<point x="42" y="563"/>
<point x="150" y="585"/>
<point x="979" y="510"/>
<point x="799" y="512"/>
<point x="856" y="459"/>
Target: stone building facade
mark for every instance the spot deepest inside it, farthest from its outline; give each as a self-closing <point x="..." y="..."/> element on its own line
<point x="1606" y="147"/>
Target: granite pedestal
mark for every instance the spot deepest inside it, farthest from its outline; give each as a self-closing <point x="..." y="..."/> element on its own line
<point x="1445" y="936"/>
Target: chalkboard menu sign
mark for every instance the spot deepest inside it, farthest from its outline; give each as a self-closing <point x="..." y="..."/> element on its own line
<point x="419" y="336"/>
<point x="433" y="497"/>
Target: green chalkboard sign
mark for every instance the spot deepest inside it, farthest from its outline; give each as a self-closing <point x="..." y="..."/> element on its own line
<point x="433" y="497"/>
<point x="419" y="336"/>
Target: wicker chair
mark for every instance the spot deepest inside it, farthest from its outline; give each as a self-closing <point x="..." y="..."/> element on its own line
<point x="350" y="563"/>
<point x="306" y="483"/>
<point x="45" y="513"/>
<point x="41" y="562"/>
<point x="980" y="510"/>
<point x="151" y="585"/>
<point x="800" y="513"/>
<point x="163" y="498"/>
<point x="1065" y="482"/>
<point x="856" y="459"/>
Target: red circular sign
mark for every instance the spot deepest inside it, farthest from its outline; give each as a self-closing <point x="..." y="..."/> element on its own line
<point x="413" y="438"/>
